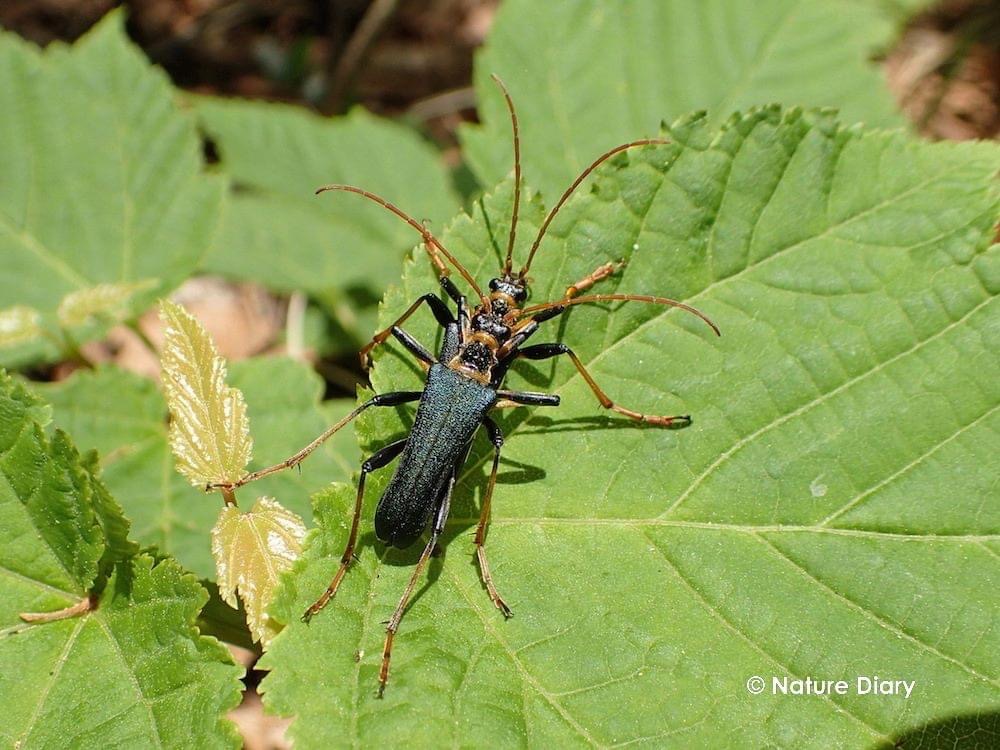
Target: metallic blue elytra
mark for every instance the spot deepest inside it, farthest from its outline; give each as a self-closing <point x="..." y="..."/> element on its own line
<point x="451" y="410"/>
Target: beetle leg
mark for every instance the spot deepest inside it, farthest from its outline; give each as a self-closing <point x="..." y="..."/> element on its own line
<point x="414" y="347"/>
<point x="526" y="398"/>
<point x="441" y="313"/>
<point x="393" y="625"/>
<point x="598" y="274"/>
<point x="527" y="326"/>
<point x="442" y="269"/>
<point x="545" y="351"/>
<point x="496" y="437"/>
<point x="523" y="331"/>
<point x="376" y="461"/>
<point x="462" y="314"/>
<point x="452" y="291"/>
<point x="394" y="398"/>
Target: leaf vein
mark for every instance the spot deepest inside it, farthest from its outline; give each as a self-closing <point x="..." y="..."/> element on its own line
<point x="143" y="700"/>
<point x="858" y="499"/>
<point x="718" y="615"/>
<point x="40" y="584"/>
<point x="44" y="254"/>
<point x="743" y="442"/>
<point x="895" y="629"/>
<point x="53" y="678"/>
<point x="528" y="678"/>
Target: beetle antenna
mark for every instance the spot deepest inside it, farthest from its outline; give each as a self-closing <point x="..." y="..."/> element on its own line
<point x="576" y="183"/>
<point x="622" y="298"/>
<point x="429" y="238"/>
<point x="517" y="173"/>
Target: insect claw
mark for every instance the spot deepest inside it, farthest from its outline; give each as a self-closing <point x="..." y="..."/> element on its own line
<point x="307" y="616"/>
<point x="674" y="423"/>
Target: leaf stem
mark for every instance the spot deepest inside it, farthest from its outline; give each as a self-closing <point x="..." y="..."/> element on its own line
<point x="133" y="325"/>
<point x="83" y="606"/>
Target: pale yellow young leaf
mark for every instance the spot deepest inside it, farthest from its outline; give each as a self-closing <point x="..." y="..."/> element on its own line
<point x="209" y="429"/>
<point x="106" y="301"/>
<point x="19" y="324"/>
<point x="251" y="551"/>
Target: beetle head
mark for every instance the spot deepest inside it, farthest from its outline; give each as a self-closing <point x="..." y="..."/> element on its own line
<point x="507" y="292"/>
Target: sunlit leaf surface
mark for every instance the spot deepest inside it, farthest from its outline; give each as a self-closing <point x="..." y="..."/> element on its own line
<point x="130" y="432"/>
<point x="278" y="232"/>
<point x="831" y="513"/>
<point x="251" y="550"/>
<point x="209" y="429"/>
<point x="101" y="302"/>
<point x="128" y="669"/>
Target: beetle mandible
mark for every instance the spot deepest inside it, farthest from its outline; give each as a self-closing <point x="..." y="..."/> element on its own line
<point x="464" y="383"/>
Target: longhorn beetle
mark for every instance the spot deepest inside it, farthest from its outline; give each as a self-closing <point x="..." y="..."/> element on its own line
<point x="464" y="383"/>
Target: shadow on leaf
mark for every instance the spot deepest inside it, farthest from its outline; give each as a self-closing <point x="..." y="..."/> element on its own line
<point x="966" y="732"/>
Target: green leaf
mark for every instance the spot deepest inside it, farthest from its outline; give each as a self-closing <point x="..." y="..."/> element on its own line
<point x="588" y="75"/>
<point x="102" y="185"/>
<point x="831" y="512"/>
<point x="130" y="432"/>
<point x="132" y="673"/>
<point x="115" y="667"/>
<point x="209" y="431"/>
<point x="279" y="233"/>
<point x="54" y="535"/>
<point x="251" y="551"/>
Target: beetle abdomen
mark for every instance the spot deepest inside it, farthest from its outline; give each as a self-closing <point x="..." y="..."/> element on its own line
<point x="449" y="413"/>
<point x="402" y="516"/>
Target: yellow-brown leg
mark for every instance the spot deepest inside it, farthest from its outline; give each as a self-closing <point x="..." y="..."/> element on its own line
<point x="598" y="274"/>
<point x="524" y="327"/>
<point x="383" y="399"/>
<point x="377" y="461"/>
<point x="484" y="518"/>
<point x="545" y="351"/>
<point x="441" y="313"/>
<point x="397" y="615"/>
<point x="440" y="517"/>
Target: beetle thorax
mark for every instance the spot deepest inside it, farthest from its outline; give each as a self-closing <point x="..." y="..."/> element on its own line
<point x="510" y="291"/>
<point x="490" y="328"/>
